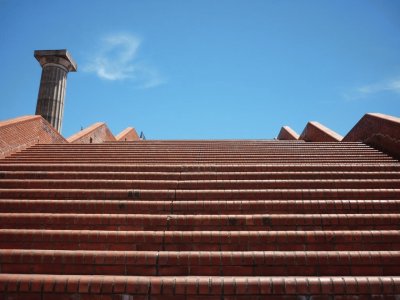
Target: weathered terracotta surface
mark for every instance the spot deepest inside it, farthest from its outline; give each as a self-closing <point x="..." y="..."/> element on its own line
<point x="316" y="132"/>
<point x="20" y="133"/>
<point x="94" y="218"/>
<point x="186" y="220"/>
<point x="287" y="133"/>
<point x="128" y="134"/>
<point x="96" y="133"/>
<point x="378" y="130"/>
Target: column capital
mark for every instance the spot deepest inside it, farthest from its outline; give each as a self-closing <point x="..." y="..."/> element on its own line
<point x="56" y="57"/>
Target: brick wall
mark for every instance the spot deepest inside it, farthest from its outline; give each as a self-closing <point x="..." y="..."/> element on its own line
<point x="96" y="133"/>
<point x="379" y="131"/>
<point x="316" y="132"/>
<point x="129" y="134"/>
<point x="287" y="133"/>
<point x="20" y="133"/>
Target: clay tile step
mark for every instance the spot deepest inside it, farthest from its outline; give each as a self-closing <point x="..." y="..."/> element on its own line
<point x="216" y="156"/>
<point x="204" y="160"/>
<point x="206" y="194"/>
<point x="197" y="175"/>
<point x="200" y="220"/>
<point x="226" y="167"/>
<point x="193" y="287"/>
<point x="197" y="206"/>
<point x="112" y="153"/>
<point x="214" y="263"/>
<point x="338" y="240"/>
<point x="200" y="184"/>
<point x="160" y="222"/>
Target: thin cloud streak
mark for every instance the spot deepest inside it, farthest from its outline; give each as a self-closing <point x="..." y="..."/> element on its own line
<point x="392" y="85"/>
<point x="116" y="59"/>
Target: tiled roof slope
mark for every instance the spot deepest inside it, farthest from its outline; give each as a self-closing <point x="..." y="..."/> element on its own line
<point x="200" y="220"/>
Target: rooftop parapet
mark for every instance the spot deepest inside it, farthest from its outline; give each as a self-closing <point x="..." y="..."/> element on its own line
<point x="128" y="134"/>
<point x="96" y="133"/>
<point x="379" y="131"/>
<point x="316" y="132"/>
<point x="288" y="134"/>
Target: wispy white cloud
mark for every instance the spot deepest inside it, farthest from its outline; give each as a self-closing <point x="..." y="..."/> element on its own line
<point x="116" y="59"/>
<point x="392" y="85"/>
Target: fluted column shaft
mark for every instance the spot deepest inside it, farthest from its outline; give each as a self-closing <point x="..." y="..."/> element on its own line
<point x="55" y="66"/>
<point x="51" y="96"/>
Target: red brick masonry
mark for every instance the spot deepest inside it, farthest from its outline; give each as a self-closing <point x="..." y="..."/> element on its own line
<point x="20" y="133"/>
<point x="211" y="288"/>
<point x="316" y="132"/>
<point x="200" y="220"/>
<point x="129" y="134"/>
<point x="378" y="130"/>
<point x="287" y="133"/>
<point x="232" y="219"/>
<point x="96" y="133"/>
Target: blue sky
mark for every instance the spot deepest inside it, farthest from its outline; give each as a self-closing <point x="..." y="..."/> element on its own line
<point x="207" y="69"/>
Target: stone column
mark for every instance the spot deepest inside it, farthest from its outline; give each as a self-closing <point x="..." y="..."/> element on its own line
<point x="55" y="66"/>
